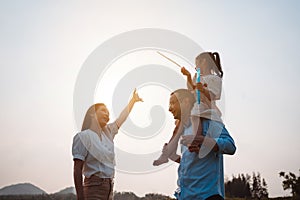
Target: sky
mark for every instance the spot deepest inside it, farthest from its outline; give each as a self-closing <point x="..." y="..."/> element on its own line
<point x="45" y="44"/>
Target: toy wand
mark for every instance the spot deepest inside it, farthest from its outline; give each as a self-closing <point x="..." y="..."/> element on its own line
<point x="198" y="81"/>
<point x="169" y="59"/>
<point x="197" y="78"/>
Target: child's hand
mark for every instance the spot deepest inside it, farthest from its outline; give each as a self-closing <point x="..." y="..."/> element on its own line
<point x="135" y="96"/>
<point x="185" y="72"/>
<point x="201" y="87"/>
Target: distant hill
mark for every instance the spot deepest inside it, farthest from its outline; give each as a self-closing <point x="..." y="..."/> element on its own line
<point x="125" y="196"/>
<point x="21" y="189"/>
<point x="68" y="190"/>
<point x="27" y="191"/>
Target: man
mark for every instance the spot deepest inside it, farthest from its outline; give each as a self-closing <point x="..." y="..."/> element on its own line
<point x="200" y="176"/>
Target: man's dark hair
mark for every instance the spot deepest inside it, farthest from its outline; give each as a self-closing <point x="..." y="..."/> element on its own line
<point x="184" y="93"/>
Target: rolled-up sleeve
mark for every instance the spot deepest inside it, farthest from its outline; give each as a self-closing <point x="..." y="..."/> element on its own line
<point x="79" y="151"/>
<point x="113" y="128"/>
<point x="217" y="131"/>
<point x="225" y="143"/>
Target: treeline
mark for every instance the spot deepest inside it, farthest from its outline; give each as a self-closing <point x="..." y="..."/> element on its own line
<point x="132" y="196"/>
<point x="242" y="186"/>
<point x="255" y="187"/>
<point x="39" y="197"/>
<point x="246" y="186"/>
<point x="117" y="196"/>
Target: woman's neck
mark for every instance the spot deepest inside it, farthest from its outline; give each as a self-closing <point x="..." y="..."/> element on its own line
<point x="95" y="127"/>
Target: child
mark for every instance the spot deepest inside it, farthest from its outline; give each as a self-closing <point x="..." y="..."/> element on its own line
<point x="210" y="88"/>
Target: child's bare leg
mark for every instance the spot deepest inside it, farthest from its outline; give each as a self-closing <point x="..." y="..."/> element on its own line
<point x="197" y="131"/>
<point x="173" y="143"/>
<point x="169" y="150"/>
<point x="163" y="158"/>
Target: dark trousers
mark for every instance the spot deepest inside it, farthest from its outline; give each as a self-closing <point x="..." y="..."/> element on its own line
<point x="215" y="197"/>
<point x="96" y="188"/>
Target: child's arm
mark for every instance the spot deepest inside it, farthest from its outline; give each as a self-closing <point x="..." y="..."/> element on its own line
<point x="212" y="88"/>
<point x="189" y="80"/>
<point x="204" y="90"/>
<point x="199" y="86"/>
<point x="124" y="114"/>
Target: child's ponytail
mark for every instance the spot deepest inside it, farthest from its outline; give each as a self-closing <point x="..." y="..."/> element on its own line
<point x="217" y="62"/>
<point x="214" y="62"/>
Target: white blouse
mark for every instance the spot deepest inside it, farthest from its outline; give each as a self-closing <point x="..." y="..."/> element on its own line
<point x="97" y="151"/>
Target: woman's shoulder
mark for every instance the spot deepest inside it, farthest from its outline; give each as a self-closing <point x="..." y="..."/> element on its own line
<point x="85" y="136"/>
<point x="84" y="133"/>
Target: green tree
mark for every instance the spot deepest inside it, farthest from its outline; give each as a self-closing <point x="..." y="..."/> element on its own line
<point x="243" y="187"/>
<point x="291" y="182"/>
<point x="265" y="193"/>
<point x="238" y="187"/>
<point x="259" y="189"/>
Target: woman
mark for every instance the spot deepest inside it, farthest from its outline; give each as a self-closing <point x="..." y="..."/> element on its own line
<point x="93" y="151"/>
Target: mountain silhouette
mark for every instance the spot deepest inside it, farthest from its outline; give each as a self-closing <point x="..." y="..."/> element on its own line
<point x="68" y="190"/>
<point x="21" y="189"/>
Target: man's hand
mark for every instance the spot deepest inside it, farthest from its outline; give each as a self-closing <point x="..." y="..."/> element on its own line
<point x="192" y="143"/>
<point x="187" y="140"/>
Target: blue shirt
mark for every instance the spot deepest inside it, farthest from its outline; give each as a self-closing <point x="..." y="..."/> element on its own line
<point x="201" y="175"/>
